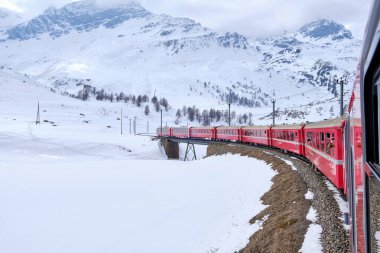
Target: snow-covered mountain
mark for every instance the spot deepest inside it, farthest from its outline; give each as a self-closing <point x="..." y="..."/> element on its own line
<point x="126" y="48"/>
<point x="8" y="19"/>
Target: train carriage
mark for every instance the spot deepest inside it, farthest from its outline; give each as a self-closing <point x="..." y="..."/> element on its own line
<point x="289" y="138"/>
<point x="324" y="148"/>
<point x="202" y="132"/>
<point x="257" y="135"/>
<point x="180" y="132"/>
<point x="228" y="133"/>
<point x="166" y="131"/>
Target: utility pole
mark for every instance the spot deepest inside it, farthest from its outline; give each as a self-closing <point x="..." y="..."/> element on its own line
<point x="229" y="110"/>
<point x="161" y="122"/>
<point x="134" y="125"/>
<point x="274" y="112"/>
<point x="38" y="120"/>
<point x="341" y="82"/>
<point x="130" y="126"/>
<point x="147" y="127"/>
<point x="121" y="121"/>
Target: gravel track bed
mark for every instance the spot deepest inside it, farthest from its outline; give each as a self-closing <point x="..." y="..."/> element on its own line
<point x="334" y="236"/>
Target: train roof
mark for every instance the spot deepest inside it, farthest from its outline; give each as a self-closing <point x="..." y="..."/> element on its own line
<point x="231" y="127"/>
<point x="293" y="126"/>
<point x="257" y="127"/>
<point x="337" y="122"/>
<point x="202" y="127"/>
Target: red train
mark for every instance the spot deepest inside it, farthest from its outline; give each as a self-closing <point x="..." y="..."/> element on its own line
<point x="320" y="142"/>
<point x="346" y="150"/>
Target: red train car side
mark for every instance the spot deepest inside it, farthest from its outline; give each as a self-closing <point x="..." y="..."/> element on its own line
<point x="166" y="131"/>
<point x="256" y="134"/>
<point x="289" y="138"/>
<point x="324" y="148"/>
<point x="202" y="132"/>
<point x="228" y="133"/>
<point x="180" y="132"/>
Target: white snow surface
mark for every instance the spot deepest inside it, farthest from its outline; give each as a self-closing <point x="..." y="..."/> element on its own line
<point x="83" y="187"/>
<point x="312" y="215"/>
<point x="309" y="195"/>
<point x="61" y="197"/>
<point x="107" y="205"/>
<point x="312" y="243"/>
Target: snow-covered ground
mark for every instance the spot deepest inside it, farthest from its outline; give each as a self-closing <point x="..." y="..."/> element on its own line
<point x="71" y="186"/>
<point x="312" y="242"/>
<point x="63" y="203"/>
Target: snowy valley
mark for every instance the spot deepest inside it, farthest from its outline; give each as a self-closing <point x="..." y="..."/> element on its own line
<point x="96" y="76"/>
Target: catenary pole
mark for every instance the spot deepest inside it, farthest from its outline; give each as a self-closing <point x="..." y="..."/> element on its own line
<point x="274" y="112"/>
<point x="121" y="121"/>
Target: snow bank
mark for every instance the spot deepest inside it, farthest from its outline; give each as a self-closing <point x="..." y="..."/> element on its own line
<point x="309" y="195"/>
<point x="312" y="242"/>
<point x="114" y="205"/>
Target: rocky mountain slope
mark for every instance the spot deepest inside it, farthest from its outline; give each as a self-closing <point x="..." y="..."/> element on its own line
<point x="8" y="19"/>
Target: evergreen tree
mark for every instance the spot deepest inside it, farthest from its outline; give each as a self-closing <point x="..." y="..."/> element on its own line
<point x="154" y="100"/>
<point x="147" y="110"/>
<point x="157" y="107"/>
<point x="178" y="114"/>
<point x="139" y="101"/>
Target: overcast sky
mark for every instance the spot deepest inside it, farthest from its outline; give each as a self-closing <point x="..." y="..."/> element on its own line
<point x="254" y="18"/>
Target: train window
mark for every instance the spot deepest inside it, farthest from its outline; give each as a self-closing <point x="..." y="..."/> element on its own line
<point x="317" y="141"/>
<point x="329" y="143"/>
<point x="292" y="136"/>
<point x="322" y="140"/>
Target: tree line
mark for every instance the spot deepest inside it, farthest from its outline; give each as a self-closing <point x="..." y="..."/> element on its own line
<point x="89" y="92"/>
<point x="206" y="117"/>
